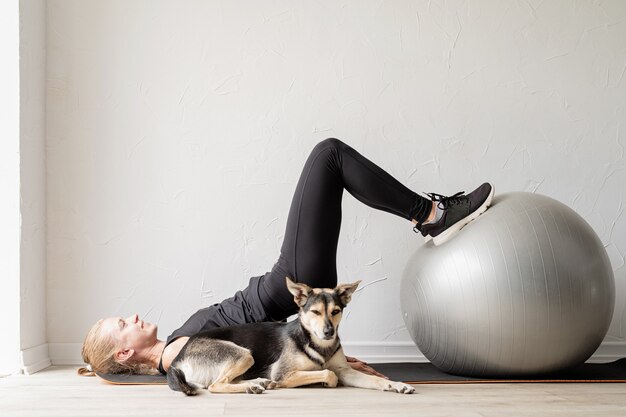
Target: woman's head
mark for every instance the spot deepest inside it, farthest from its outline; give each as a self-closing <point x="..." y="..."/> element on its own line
<point x="119" y="345"/>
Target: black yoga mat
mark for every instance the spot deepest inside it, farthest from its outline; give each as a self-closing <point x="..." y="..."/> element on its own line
<point x="427" y="373"/>
<point x="125" y="379"/>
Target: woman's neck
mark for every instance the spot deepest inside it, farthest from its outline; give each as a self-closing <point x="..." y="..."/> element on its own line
<point x="154" y="353"/>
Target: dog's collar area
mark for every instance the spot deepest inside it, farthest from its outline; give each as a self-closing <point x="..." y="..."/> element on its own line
<point x="314" y="355"/>
<point x="324" y="352"/>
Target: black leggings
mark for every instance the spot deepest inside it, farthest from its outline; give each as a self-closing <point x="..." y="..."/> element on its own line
<point x="309" y="251"/>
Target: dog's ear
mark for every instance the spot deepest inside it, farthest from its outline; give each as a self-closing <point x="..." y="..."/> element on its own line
<point x="300" y="291"/>
<point x="344" y="291"/>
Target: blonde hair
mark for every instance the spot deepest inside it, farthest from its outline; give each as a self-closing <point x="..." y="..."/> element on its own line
<point x="99" y="354"/>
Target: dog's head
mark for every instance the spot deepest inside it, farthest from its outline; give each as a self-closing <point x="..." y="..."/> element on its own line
<point x="321" y="308"/>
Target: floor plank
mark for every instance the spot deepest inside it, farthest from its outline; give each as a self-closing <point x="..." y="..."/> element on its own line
<point x="58" y="391"/>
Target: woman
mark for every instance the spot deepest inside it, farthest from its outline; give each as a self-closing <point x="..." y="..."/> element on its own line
<point x="308" y="255"/>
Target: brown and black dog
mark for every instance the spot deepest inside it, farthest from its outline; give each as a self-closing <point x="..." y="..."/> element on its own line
<point x="258" y="356"/>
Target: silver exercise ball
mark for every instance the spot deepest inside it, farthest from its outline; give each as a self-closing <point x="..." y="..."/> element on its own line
<point x="527" y="288"/>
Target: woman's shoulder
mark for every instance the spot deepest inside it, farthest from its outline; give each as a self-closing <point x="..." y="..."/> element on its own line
<point x="171" y="351"/>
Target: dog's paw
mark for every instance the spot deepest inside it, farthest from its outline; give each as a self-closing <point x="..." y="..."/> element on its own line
<point x="266" y="383"/>
<point x="331" y="379"/>
<point x="399" y="387"/>
<point x="254" y="388"/>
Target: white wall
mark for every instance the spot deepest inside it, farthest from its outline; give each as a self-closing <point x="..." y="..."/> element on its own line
<point x="24" y="345"/>
<point x="177" y="130"/>
<point x="33" y="308"/>
<point x="9" y="188"/>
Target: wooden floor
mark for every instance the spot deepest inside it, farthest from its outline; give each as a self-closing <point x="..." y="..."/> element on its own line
<point x="58" y="391"/>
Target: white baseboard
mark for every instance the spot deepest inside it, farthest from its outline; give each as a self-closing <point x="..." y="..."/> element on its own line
<point x="379" y="352"/>
<point x="609" y="352"/>
<point x="374" y="352"/>
<point x="35" y="359"/>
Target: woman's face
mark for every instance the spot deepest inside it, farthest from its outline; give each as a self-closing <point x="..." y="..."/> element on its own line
<point x="131" y="332"/>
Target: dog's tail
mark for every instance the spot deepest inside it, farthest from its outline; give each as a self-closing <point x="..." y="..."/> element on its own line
<point x="177" y="381"/>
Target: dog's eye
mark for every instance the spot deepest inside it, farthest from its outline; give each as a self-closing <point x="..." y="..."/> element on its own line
<point x="317" y="313"/>
<point x="335" y="312"/>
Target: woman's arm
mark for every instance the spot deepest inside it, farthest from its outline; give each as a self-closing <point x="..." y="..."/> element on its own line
<point x="171" y="351"/>
<point x="361" y="366"/>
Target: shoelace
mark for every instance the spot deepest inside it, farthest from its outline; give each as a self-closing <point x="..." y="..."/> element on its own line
<point x="443" y="202"/>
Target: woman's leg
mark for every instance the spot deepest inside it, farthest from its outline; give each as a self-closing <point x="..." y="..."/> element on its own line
<point x="311" y="237"/>
<point x="309" y="249"/>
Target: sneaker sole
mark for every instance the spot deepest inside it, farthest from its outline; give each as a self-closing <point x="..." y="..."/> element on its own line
<point x="456" y="227"/>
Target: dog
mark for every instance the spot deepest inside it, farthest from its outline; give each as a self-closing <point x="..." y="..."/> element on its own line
<point x="255" y="357"/>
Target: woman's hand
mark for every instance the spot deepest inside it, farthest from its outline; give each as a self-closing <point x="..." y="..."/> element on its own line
<point x="363" y="367"/>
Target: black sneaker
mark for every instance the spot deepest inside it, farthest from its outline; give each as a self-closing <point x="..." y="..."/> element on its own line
<point x="459" y="210"/>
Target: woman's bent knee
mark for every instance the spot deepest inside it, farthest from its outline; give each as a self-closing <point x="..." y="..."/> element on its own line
<point x="330" y="143"/>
